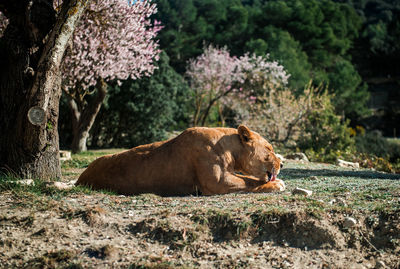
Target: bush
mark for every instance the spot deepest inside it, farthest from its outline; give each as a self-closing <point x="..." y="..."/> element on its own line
<point x="278" y="114"/>
<point x="374" y="143"/>
<point x="325" y="136"/>
<point x="378" y="152"/>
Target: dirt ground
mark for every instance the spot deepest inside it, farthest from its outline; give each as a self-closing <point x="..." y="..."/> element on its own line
<point x="86" y="229"/>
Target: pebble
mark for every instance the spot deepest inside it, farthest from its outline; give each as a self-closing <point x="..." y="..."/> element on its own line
<point x="65" y="155"/>
<point x="343" y="163"/>
<point x="349" y="222"/>
<point x="26" y="182"/>
<point x="302" y="192"/>
<point x="61" y="185"/>
<point x="380" y="265"/>
<point x="341" y="201"/>
<point x="298" y="156"/>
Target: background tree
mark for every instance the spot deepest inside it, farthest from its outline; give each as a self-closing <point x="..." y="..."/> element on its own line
<point x="311" y="39"/>
<point x="376" y="55"/>
<point x="115" y="40"/>
<point x="283" y="48"/>
<point x="188" y="24"/>
<point x="144" y="110"/>
<point x="215" y="75"/>
<point x="212" y="76"/>
<point x="31" y="51"/>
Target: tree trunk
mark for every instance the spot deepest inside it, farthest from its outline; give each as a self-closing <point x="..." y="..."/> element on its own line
<point x="83" y="120"/>
<point x="31" y="51"/>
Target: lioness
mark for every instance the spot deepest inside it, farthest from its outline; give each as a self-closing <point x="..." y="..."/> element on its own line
<point x="199" y="159"/>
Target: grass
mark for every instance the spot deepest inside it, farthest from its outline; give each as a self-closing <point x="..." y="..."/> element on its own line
<point x="83" y="159"/>
<point x="362" y="190"/>
<point x="201" y="224"/>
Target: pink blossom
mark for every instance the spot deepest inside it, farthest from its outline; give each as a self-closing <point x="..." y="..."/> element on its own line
<point x="216" y="77"/>
<point x="114" y="40"/>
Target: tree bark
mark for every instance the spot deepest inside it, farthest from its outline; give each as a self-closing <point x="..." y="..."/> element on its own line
<point x="82" y="121"/>
<point x="31" y="51"/>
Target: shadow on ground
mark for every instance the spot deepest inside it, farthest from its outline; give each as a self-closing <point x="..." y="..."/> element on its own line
<point x="296" y="173"/>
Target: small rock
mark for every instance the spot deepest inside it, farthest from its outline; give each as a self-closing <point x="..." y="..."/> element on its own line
<point x="62" y="185"/>
<point x="280" y="157"/>
<point x="65" y="155"/>
<point x="110" y="252"/>
<point x="343" y="163"/>
<point x="298" y="156"/>
<point x="26" y="182"/>
<point x="59" y="185"/>
<point x="302" y="192"/>
<point x="349" y="222"/>
<point x="341" y="201"/>
<point x="380" y="265"/>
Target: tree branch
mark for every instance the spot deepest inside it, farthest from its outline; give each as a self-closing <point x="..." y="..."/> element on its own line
<point x="55" y="47"/>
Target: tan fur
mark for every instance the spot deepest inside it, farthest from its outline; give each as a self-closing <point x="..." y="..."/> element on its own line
<point x="199" y="159"/>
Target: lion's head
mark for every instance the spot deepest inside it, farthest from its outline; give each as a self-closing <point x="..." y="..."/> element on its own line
<point x="258" y="158"/>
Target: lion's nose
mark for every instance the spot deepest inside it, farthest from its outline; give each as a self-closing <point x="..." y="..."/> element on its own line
<point x="281" y="165"/>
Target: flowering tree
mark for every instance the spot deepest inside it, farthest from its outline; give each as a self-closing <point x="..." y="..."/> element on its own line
<point x="215" y="76"/>
<point x="114" y="41"/>
<point x="261" y="75"/>
<point x="212" y="76"/>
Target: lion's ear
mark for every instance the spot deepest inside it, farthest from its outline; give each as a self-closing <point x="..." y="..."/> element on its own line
<point x="244" y="133"/>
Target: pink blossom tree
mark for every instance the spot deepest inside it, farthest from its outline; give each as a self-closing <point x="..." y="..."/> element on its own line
<point x="212" y="76"/>
<point x="114" y="41"/>
<point x="218" y="78"/>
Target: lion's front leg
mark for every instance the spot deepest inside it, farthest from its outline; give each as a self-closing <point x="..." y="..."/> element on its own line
<point x="221" y="182"/>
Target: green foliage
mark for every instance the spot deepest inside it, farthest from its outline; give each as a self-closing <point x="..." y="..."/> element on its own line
<point x="311" y="39"/>
<point x="345" y="83"/>
<point x="188" y="24"/>
<point x="373" y="143"/>
<point x="381" y="25"/>
<point x="281" y="46"/>
<point x="376" y="54"/>
<point x="377" y="151"/>
<point x="142" y="111"/>
<point x="326" y="137"/>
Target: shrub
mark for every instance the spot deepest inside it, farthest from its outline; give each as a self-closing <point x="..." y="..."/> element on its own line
<point x="377" y="151"/>
<point x="277" y="115"/>
<point x="378" y="163"/>
<point x="373" y="143"/>
<point x="325" y="135"/>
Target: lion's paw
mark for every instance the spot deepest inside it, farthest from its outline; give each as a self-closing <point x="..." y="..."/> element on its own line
<point x="279" y="185"/>
<point x="272" y="186"/>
